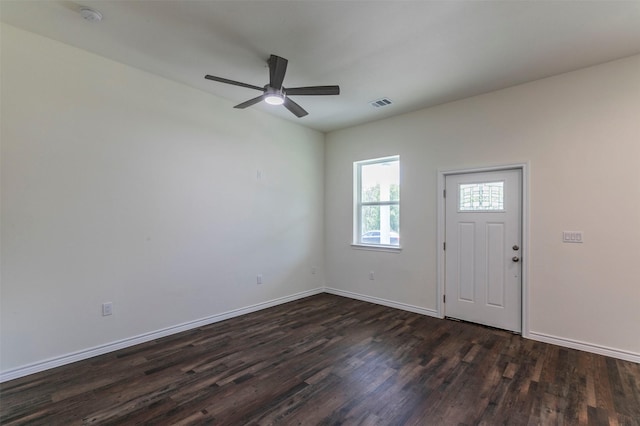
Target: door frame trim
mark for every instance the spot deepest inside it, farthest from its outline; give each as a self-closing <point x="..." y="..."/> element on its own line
<point x="440" y="269"/>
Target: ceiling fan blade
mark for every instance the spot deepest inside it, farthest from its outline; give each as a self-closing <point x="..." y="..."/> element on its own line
<point x="277" y="70"/>
<point x="235" y="83"/>
<point x="249" y="102"/>
<point x="313" y="90"/>
<point x="296" y="109"/>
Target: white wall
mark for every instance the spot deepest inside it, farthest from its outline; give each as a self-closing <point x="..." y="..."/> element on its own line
<point x="121" y="186"/>
<point x="580" y="133"/>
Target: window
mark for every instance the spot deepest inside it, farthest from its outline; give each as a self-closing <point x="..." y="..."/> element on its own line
<point x="377" y="202"/>
<point x="485" y="196"/>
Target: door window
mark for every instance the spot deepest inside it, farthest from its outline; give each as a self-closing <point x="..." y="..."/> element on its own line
<point x="483" y="196"/>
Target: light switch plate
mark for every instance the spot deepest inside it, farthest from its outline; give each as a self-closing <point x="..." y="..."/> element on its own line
<point x="572" y="237"/>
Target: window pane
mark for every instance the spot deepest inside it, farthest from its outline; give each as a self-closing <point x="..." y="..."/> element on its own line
<point x="394" y="218"/>
<point x="377" y="193"/>
<point x="380" y="225"/>
<point x="482" y="196"/>
<point x="370" y="218"/>
<point x="380" y="181"/>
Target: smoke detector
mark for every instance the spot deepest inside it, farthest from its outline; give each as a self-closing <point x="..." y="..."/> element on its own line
<point x="90" y="15"/>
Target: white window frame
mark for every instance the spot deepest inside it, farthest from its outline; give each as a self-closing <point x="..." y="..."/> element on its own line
<point x="358" y="204"/>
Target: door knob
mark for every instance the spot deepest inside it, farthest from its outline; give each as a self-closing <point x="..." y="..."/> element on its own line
<point x="515" y="259"/>
<point x="515" y="248"/>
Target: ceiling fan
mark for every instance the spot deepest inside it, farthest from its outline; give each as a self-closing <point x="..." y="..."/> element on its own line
<point x="276" y="94"/>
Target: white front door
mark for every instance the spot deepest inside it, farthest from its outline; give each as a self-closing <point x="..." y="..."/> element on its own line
<point x="483" y="234"/>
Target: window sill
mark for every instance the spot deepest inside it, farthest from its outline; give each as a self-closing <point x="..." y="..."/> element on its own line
<point x="371" y="247"/>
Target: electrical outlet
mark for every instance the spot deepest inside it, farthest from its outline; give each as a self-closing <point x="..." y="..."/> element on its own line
<point x="259" y="279"/>
<point x="107" y="309"/>
<point x="371" y="275"/>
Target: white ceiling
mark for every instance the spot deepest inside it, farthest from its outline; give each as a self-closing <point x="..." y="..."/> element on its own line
<point x="416" y="53"/>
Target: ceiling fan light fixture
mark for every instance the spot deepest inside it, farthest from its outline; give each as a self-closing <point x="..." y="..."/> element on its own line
<point x="274" y="99"/>
<point x="273" y="96"/>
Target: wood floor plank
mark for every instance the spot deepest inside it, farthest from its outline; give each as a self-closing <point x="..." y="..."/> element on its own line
<point x="329" y="360"/>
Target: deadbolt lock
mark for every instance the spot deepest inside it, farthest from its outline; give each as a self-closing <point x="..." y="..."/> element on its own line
<point x="515" y="259"/>
<point x="515" y="248"/>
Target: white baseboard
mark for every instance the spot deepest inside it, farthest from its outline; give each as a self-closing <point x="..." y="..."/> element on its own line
<point x="142" y="338"/>
<point x="541" y="337"/>
<point x="583" y="346"/>
<point x="384" y="302"/>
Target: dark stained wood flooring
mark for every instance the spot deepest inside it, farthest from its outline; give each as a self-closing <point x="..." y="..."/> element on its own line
<point x="329" y="360"/>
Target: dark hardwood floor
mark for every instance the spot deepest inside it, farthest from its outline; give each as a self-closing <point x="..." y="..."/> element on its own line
<point x="329" y="360"/>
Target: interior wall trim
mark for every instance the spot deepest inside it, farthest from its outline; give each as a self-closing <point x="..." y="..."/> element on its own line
<point x="146" y="337"/>
<point x="384" y="302"/>
<point x="142" y="338"/>
<point x="584" y="346"/>
<point x="533" y="335"/>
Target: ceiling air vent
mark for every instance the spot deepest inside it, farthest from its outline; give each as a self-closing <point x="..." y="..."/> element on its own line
<point x="382" y="102"/>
